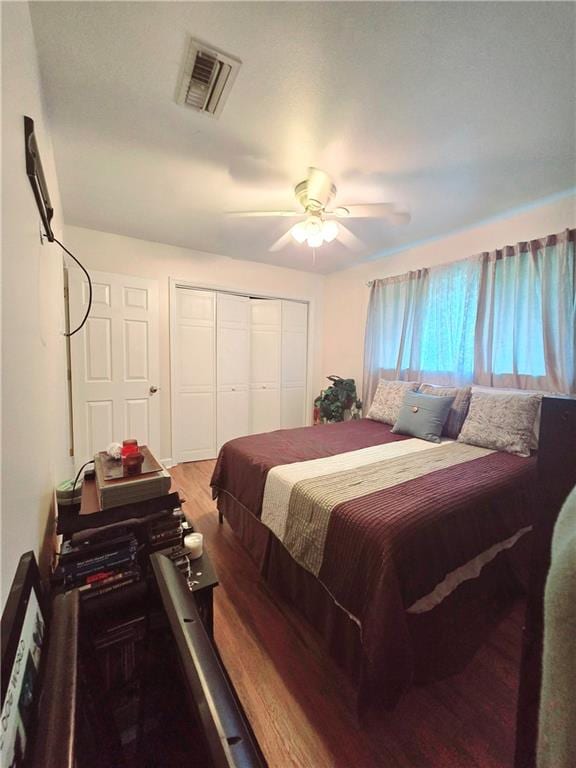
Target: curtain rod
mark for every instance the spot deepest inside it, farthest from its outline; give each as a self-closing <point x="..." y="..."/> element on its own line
<point x="568" y="234"/>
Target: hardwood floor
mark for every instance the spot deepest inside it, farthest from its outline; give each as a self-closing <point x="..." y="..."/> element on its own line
<point x="296" y="698"/>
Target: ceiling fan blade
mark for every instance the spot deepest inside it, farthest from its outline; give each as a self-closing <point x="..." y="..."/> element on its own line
<point x="385" y="211"/>
<point x="349" y="239"/>
<point x="282" y="242"/>
<point x="320" y="188"/>
<point x="241" y="214"/>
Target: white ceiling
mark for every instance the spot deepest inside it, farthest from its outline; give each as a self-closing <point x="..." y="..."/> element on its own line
<point x="456" y="111"/>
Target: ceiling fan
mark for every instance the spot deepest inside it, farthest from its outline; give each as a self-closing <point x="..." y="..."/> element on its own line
<point x="319" y="226"/>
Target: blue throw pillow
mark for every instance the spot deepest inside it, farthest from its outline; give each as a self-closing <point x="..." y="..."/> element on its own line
<point x="423" y="416"/>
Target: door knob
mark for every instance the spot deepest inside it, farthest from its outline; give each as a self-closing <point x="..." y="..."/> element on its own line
<point x="153" y="389"/>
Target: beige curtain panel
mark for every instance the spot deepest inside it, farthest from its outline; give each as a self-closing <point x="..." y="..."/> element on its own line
<point x="502" y="319"/>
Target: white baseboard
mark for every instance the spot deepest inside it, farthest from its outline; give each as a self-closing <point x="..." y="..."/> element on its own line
<point x="168" y="463"/>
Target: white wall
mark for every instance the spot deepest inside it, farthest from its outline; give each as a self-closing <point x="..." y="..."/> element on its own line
<point x="125" y="255"/>
<point x="34" y="404"/>
<point x="346" y="292"/>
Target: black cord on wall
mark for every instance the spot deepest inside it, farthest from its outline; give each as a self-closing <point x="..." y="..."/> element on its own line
<point x="78" y="476"/>
<point x="71" y="333"/>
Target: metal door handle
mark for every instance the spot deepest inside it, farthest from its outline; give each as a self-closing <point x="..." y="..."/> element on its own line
<point x="153" y="389"/>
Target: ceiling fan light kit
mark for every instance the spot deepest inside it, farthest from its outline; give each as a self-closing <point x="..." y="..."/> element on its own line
<point x="314" y="231"/>
<point x="314" y="195"/>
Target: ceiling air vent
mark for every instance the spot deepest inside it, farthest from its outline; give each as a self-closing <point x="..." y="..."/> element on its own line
<point x="206" y="78"/>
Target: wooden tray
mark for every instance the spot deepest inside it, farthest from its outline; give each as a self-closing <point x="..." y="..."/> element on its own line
<point x="113" y="469"/>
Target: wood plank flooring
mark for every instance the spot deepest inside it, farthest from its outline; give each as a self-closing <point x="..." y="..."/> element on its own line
<point x="295" y="697"/>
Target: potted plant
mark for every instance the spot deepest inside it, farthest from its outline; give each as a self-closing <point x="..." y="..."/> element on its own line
<point x="339" y="402"/>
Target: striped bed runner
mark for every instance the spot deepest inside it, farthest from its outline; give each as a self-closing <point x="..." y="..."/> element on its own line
<point x="299" y="499"/>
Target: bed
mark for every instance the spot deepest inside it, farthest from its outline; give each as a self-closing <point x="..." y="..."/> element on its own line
<point x="401" y="553"/>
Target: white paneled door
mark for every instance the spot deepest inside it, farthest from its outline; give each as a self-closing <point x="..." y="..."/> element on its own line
<point x="233" y="367"/>
<point x="265" y="364"/>
<point x="114" y="361"/>
<point x="194" y="374"/>
<point x="294" y="363"/>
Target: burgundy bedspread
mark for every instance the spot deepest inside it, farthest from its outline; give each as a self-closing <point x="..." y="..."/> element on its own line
<point x="390" y="551"/>
<point x="243" y="464"/>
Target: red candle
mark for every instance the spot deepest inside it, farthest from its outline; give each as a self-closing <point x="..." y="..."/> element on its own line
<point x="133" y="463"/>
<point x="129" y="447"/>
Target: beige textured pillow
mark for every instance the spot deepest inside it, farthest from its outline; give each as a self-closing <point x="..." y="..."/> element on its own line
<point x="501" y="422"/>
<point x="388" y="398"/>
<point x="524" y="393"/>
<point x="459" y="409"/>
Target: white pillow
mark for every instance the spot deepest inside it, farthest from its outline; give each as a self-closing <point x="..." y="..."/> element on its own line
<point x="511" y="391"/>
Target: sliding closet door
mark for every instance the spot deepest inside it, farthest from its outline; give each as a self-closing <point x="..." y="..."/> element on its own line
<point x="194" y="370"/>
<point x="294" y="363"/>
<point x="233" y="367"/>
<point x="265" y="364"/>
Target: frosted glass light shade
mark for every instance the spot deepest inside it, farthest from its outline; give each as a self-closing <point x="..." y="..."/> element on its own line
<point x="329" y="230"/>
<point x="315" y="240"/>
<point x="314" y="231"/>
<point x="313" y="226"/>
<point x="299" y="232"/>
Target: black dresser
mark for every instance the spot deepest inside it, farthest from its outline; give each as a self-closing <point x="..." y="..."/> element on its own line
<point x="557" y="470"/>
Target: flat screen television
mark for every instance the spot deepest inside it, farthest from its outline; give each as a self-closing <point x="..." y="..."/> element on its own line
<point x="35" y="173"/>
<point x="23" y="629"/>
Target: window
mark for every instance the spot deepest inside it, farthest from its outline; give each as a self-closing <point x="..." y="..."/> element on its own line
<point x="506" y="318"/>
<point x="449" y="320"/>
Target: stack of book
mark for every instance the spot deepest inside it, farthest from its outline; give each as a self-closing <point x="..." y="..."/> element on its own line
<point x="165" y="532"/>
<point x="117" y="646"/>
<point x="100" y="566"/>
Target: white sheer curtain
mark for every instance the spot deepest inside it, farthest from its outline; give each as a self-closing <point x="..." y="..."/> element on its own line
<point x="392" y="325"/>
<point x="421" y="325"/>
<point x="505" y="319"/>
<point x="525" y="335"/>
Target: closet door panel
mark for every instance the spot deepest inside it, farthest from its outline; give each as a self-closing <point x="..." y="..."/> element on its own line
<point x="196" y="358"/>
<point x="266" y="312"/>
<point x="265" y="357"/>
<point x="233" y="356"/>
<point x="293" y="401"/>
<point x="266" y="409"/>
<point x="266" y="360"/>
<point x="233" y="415"/>
<point x="294" y="351"/>
<point x="233" y="367"/>
<point x="294" y="316"/>
<point x="294" y="363"/>
<point x="195" y="306"/>
<point x="197" y="426"/>
<point x="194" y="410"/>
<point x="233" y="321"/>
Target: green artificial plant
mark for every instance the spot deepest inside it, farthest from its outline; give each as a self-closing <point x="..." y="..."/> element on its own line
<point x="339" y="401"/>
